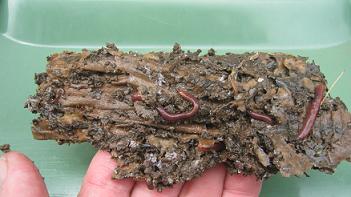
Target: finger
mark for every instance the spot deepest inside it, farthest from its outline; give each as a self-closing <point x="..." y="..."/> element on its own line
<point x="140" y="189"/>
<point x="209" y="184"/>
<point x="19" y="177"/>
<point x="241" y="186"/>
<point x="98" y="179"/>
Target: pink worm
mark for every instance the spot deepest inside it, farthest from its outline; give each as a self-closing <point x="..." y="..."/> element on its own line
<point x="181" y="116"/>
<point x="312" y="111"/>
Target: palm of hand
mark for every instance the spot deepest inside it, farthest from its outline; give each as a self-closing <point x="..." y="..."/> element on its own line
<point x="19" y="177"/>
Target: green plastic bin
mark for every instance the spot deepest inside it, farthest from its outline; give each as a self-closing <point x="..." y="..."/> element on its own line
<point x="31" y="30"/>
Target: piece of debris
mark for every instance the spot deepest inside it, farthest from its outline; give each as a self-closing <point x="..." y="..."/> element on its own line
<point x="5" y="148"/>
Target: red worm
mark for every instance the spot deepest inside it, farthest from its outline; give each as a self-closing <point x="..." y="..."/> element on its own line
<point x="136" y="97"/>
<point x="217" y="146"/>
<point x="181" y="116"/>
<point x="261" y="117"/>
<point x="312" y="111"/>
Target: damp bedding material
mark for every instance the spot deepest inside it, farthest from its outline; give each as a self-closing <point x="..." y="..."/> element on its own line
<point x="166" y="117"/>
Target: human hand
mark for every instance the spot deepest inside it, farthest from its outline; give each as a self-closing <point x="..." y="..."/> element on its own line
<point x="19" y="177"/>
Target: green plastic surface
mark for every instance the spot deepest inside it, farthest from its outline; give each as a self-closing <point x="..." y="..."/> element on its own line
<point x="31" y="30"/>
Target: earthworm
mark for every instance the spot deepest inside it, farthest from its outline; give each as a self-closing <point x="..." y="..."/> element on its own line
<point x="181" y="116"/>
<point x="217" y="146"/>
<point x="261" y="117"/>
<point x="312" y="111"/>
<point x="136" y="97"/>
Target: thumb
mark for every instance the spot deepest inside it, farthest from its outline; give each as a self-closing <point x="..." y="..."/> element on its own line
<point x="19" y="177"/>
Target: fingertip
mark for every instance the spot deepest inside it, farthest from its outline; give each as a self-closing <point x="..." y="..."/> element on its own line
<point x="209" y="184"/>
<point x="22" y="177"/>
<point x="241" y="186"/>
<point x="98" y="179"/>
<point x="103" y="156"/>
<point x="141" y="189"/>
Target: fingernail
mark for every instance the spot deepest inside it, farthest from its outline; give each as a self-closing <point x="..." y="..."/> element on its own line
<point x="3" y="170"/>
